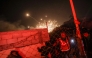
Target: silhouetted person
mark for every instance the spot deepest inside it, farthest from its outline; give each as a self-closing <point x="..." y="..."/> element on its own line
<point x="45" y="50"/>
<point x="64" y="45"/>
<point x="86" y="42"/>
<point x="14" y="54"/>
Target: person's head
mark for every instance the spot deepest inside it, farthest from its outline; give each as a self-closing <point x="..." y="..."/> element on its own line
<point x="47" y="43"/>
<point x="13" y="52"/>
<point x="63" y="35"/>
<point x="86" y="34"/>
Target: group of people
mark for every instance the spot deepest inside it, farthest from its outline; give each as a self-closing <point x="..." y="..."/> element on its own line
<point x="61" y="48"/>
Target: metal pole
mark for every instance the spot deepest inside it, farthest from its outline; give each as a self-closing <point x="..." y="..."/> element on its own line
<point x="79" y="39"/>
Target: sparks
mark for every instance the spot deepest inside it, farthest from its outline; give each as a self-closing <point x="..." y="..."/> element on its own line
<point x="50" y="25"/>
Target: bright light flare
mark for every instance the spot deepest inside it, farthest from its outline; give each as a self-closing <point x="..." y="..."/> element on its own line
<point x="45" y="15"/>
<point x="28" y="26"/>
<point x="72" y="41"/>
<point x="41" y="19"/>
<point x="27" y="15"/>
<point x="50" y="25"/>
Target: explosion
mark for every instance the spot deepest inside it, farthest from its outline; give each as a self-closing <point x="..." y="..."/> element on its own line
<point x="48" y="24"/>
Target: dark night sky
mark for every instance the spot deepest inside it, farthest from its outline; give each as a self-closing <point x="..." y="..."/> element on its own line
<point x="14" y="10"/>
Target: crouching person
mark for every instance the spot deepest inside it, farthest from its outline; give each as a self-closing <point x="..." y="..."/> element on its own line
<point x="14" y="54"/>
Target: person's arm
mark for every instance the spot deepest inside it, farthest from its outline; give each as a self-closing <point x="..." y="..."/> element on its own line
<point x="58" y="45"/>
<point x="69" y="42"/>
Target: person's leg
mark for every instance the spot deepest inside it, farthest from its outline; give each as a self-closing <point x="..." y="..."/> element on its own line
<point x="63" y="54"/>
<point x="66" y="54"/>
<point x="59" y="55"/>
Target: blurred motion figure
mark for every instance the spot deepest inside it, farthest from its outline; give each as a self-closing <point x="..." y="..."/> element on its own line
<point x="14" y="54"/>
